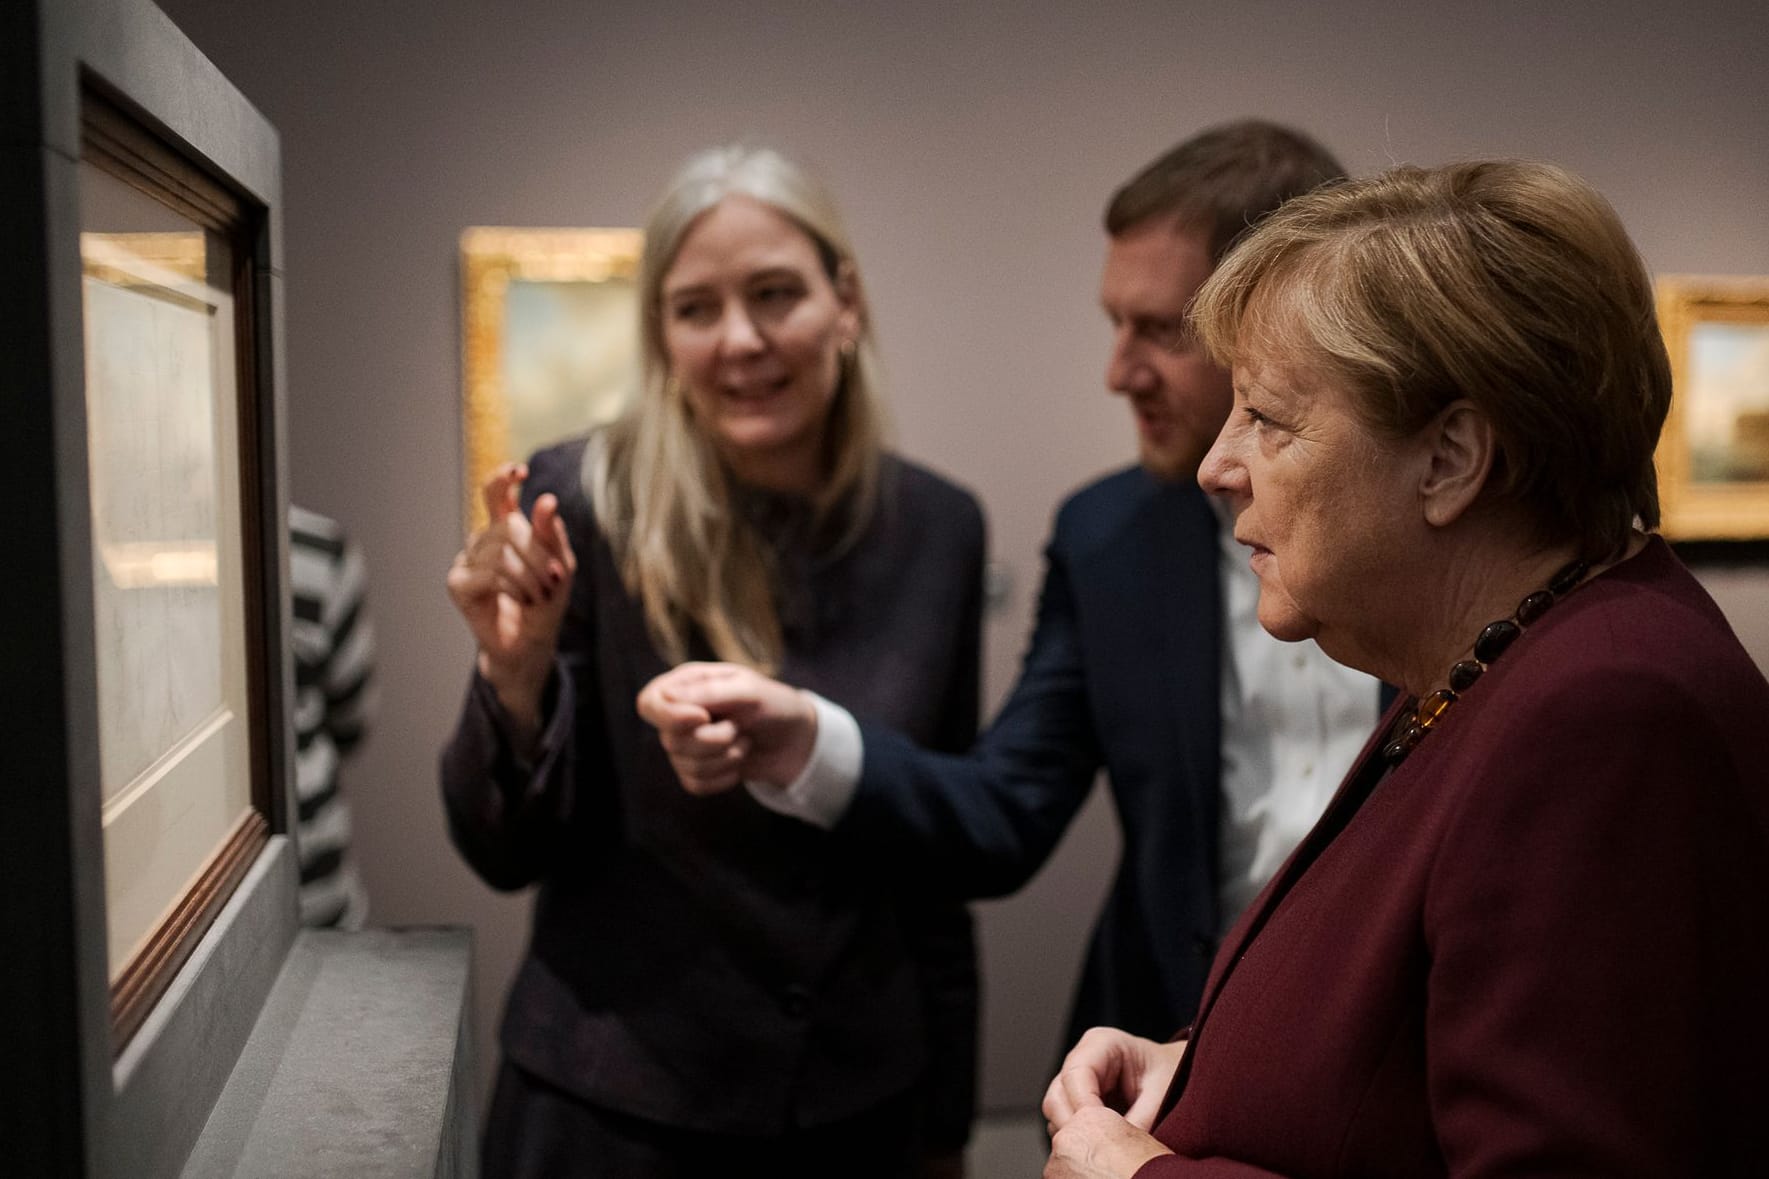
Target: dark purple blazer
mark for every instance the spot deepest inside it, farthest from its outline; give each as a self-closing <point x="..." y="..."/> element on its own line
<point x="705" y="963"/>
<point x="1540" y="947"/>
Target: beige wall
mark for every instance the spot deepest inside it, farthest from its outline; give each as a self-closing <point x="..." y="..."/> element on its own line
<point x="973" y="146"/>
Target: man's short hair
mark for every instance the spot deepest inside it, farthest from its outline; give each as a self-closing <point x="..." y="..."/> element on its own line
<point x="1223" y="180"/>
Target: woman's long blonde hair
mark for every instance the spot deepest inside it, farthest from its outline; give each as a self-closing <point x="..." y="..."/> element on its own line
<point x="661" y="492"/>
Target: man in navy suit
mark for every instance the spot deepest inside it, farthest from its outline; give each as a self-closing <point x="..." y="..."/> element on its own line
<point x="1221" y="745"/>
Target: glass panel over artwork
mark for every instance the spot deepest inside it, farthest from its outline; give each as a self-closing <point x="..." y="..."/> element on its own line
<point x="570" y="354"/>
<point x="168" y="586"/>
<point x="1728" y="403"/>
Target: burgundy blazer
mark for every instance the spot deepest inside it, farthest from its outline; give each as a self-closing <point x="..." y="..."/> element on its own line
<point x="1540" y="947"/>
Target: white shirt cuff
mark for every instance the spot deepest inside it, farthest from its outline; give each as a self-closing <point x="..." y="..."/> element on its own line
<point x="821" y="793"/>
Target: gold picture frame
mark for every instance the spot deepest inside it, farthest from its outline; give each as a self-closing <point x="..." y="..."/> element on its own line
<point x="550" y="340"/>
<point x="1713" y="458"/>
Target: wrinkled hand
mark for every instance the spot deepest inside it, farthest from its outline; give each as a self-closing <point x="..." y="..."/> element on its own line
<point x="1112" y="1070"/>
<point x="1099" y="1144"/>
<point x="512" y="583"/>
<point x="721" y="723"/>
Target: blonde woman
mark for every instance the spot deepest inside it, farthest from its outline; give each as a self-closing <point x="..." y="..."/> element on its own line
<point x="707" y="984"/>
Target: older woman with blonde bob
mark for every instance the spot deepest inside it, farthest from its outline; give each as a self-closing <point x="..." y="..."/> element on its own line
<point x="709" y="988"/>
<point x="1530" y="936"/>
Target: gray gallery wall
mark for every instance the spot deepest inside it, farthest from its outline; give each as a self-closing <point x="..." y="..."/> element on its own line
<point x="973" y="146"/>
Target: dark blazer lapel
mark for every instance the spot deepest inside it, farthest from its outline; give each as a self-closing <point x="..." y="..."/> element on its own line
<point x="1185" y="567"/>
<point x="1332" y="821"/>
<point x="1185" y="631"/>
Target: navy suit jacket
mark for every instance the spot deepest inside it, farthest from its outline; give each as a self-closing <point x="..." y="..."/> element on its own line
<point x="1122" y="673"/>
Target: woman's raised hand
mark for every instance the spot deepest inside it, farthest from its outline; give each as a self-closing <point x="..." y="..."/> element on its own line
<point x="511" y="583"/>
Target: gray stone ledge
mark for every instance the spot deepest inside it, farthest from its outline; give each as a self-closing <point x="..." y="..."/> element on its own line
<point x="358" y="1065"/>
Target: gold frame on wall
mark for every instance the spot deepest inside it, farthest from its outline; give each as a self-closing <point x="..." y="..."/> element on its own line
<point x="492" y="258"/>
<point x="1730" y="499"/>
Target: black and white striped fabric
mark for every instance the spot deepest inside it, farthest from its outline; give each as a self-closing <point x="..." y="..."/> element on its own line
<point x="334" y="698"/>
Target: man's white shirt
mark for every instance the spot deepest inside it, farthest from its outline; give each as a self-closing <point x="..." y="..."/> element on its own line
<point x="1292" y="723"/>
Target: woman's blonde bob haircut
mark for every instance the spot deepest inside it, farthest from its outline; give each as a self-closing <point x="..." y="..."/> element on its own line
<point x="663" y="496"/>
<point x="1509" y="284"/>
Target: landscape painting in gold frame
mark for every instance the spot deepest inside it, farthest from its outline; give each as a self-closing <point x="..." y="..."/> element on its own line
<point x="550" y="340"/>
<point x="1713" y="460"/>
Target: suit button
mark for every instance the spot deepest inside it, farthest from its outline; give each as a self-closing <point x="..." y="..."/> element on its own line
<point x="1203" y="947"/>
<point x="796" y="1001"/>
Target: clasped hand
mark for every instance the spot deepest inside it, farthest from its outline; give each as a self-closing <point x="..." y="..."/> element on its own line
<point x="1101" y="1106"/>
<point x="721" y="724"/>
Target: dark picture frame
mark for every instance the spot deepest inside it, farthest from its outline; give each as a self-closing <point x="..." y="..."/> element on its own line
<point x="119" y="147"/>
<point x="119" y="1079"/>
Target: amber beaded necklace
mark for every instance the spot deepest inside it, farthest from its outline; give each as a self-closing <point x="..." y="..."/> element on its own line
<point x="1495" y="638"/>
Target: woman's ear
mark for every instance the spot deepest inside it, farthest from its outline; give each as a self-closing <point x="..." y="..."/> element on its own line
<point x="852" y="300"/>
<point x="1462" y="450"/>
